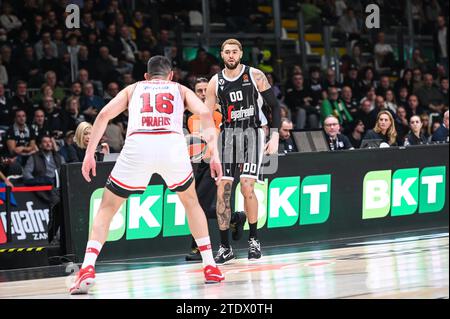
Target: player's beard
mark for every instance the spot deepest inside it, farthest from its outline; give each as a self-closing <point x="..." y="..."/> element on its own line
<point x="232" y="66"/>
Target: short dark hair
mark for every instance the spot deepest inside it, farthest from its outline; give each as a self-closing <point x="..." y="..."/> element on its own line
<point x="201" y="80"/>
<point x="159" y="65"/>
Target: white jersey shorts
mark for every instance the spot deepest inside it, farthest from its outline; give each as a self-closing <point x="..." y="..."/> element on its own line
<point x="146" y="153"/>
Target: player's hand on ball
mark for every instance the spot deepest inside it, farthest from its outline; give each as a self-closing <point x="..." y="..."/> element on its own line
<point x="88" y="165"/>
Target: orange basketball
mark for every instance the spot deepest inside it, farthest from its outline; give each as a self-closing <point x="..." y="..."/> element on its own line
<point x="197" y="147"/>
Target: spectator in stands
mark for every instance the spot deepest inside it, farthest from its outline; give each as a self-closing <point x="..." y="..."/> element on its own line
<point x="105" y="66"/>
<point x="417" y="80"/>
<point x="20" y="138"/>
<point x="138" y="23"/>
<point x="383" y="86"/>
<point x="441" y="42"/>
<point x="85" y="60"/>
<point x="402" y="99"/>
<point x="415" y="136"/>
<point x="52" y="81"/>
<point x="81" y="140"/>
<point x="356" y="134"/>
<point x="41" y="168"/>
<point x="347" y="24"/>
<point x="111" y="91"/>
<point x="429" y="95"/>
<point x="39" y="47"/>
<point x="441" y="134"/>
<point x="351" y="81"/>
<point x="300" y="101"/>
<point x="4" y="79"/>
<point x="20" y="100"/>
<point x="390" y="102"/>
<point x="401" y="123"/>
<point x="20" y="42"/>
<point x="39" y="126"/>
<point x="64" y="149"/>
<point x="413" y="106"/>
<point x="364" y="114"/>
<point x="140" y="67"/>
<point x="384" y="57"/>
<point x="6" y="58"/>
<point x="58" y="39"/>
<point x="163" y="45"/>
<point x="201" y="64"/>
<point x="72" y="115"/>
<point x="331" y="80"/>
<point x="75" y="91"/>
<point x="418" y="61"/>
<point x="90" y="104"/>
<point x="114" y="136"/>
<point x="49" y="62"/>
<point x="127" y="79"/>
<point x="367" y="79"/>
<point x="405" y="81"/>
<point x="348" y="101"/>
<point x="3" y="37"/>
<point x="384" y="129"/>
<point x="110" y="40"/>
<point x="130" y="49"/>
<point x="284" y="111"/>
<point x="336" y="140"/>
<point x="417" y="15"/>
<point x="286" y="144"/>
<point x="5" y="109"/>
<point x="444" y="91"/>
<point x="53" y="117"/>
<point x="147" y="42"/>
<point x="426" y="125"/>
<point x="370" y="96"/>
<point x="28" y="69"/>
<point x="8" y="19"/>
<point x="333" y="106"/>
<point x="88" y="24"/>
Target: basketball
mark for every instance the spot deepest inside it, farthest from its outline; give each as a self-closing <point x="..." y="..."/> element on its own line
<point x="197" y="147"/>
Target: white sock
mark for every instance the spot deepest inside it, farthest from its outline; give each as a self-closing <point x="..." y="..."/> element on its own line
<point x="204" y="245"/>
<point x="92" y="251"/>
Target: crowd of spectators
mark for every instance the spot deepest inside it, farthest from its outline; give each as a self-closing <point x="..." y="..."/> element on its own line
<point x="55" y="80"/>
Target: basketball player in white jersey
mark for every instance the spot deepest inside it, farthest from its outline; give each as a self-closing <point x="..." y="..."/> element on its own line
<point x="154" y="144"/>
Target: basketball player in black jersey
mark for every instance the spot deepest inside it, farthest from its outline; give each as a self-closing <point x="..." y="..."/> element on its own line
<point x="240" y="91"/>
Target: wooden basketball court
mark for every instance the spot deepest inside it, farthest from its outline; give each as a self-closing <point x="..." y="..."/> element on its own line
<point x="402" y="266"/>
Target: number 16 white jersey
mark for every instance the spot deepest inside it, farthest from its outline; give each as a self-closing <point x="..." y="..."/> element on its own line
<point x="156" y="105"/>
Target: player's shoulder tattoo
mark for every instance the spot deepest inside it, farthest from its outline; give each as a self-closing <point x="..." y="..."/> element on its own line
<point x="260" y="79"/>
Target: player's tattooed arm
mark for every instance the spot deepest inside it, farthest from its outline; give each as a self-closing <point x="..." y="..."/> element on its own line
<point x="224" y="207"/>
<point x="261" y="80"/>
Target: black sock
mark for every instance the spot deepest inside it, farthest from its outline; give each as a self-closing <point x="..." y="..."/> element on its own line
<point x="253" y="228"/>
<point x="194" y="243"/>
<point x="224" y="238"/>
<point x="233" y="218"/>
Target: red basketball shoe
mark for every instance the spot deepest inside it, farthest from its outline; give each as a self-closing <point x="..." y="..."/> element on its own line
<point x="212" y="275"/>
<point x="84" y="280"/>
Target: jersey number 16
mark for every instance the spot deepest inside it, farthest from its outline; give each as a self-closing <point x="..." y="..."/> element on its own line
<point x="163" y="103"/>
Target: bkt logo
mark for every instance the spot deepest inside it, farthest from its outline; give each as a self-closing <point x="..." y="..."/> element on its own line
<point x="403" y="192"/>
<point x="288" y="200"/>
<point x="144" y="216"/>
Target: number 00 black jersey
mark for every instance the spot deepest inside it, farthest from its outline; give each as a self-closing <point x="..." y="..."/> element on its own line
<point x="240" y="100"/>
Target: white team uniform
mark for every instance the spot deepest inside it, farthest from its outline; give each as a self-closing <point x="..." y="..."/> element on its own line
<point x="155" y="142"/>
